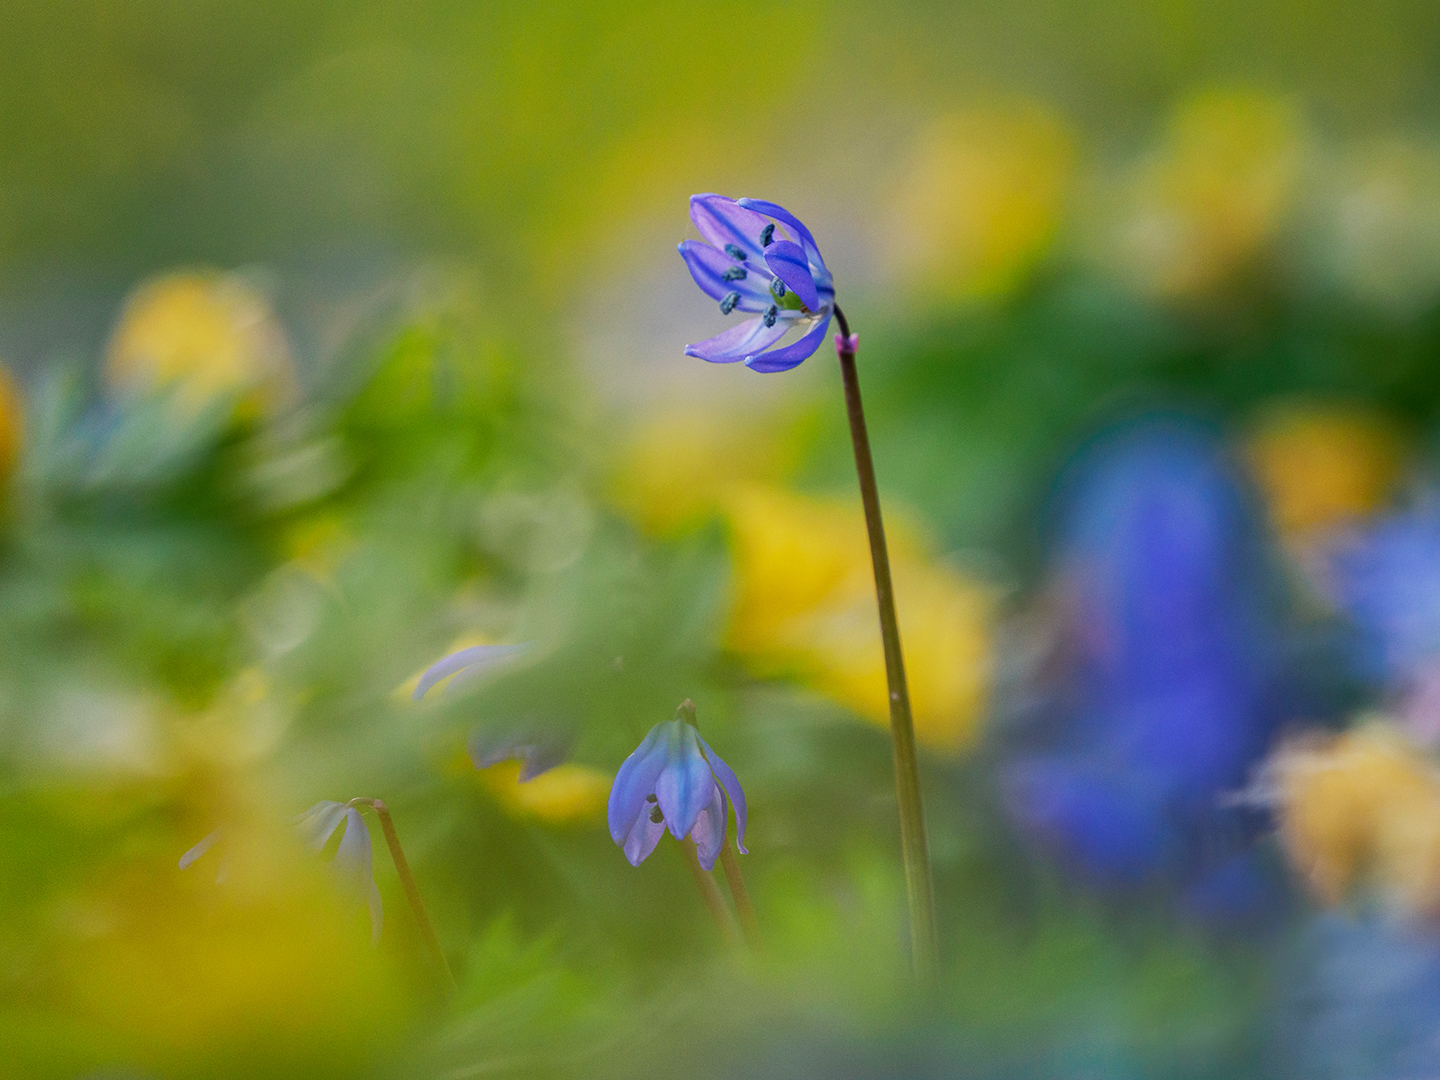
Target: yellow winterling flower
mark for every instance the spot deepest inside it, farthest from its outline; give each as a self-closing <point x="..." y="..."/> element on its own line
<point x="805" y="605"/>
<point x="565" y="794"/>
<point x="991" y="188"/>
<point x="12" y="424"/>
<point x="201" y="336"/>
<point x="676" y="468"/>
<point x="1213" y="194"/>
<point x="1320" y="465"/>
<point x="1363" y="806"/>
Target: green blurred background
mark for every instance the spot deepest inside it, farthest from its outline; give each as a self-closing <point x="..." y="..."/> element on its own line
<point x="342" y="334"/>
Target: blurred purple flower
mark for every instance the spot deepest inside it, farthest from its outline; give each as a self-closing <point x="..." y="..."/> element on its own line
<point x="674" y="780"/>
<point x="466" y="665"/>
<point x="758" y="258"/>
<point x="353" y="863"/>
<point x="205" y="844"/>
<point x="1167" y="686"/>
<point x="1388" y="579"/>
<point x="538" y="748"/>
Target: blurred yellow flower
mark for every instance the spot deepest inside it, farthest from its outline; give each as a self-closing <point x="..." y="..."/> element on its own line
<point x="177" y="969"/>
<point x="805" y="605"/>
<point x="1320" y="465"/>
<point x="981" y="196"/>
<point x="1363" y="806"/>
<point x="244" y="723"/>
<point x="1213" y="194"/>
<point x="12" y="424"/>
<point x="675" y="469"/>
<point x="566" y="794"/>
<point x="202" y="336"/>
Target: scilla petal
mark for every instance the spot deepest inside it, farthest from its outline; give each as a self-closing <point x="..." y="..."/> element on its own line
<point x="739" y="341"/>
<point x="685" y="785"/>
<point x="635" y="780"/>
<point x="709" y="830"/>
<point x="318" y="823"/>
<point x="723" y="221"/>
<point x="476" y="655"/>
<point x="708" y="267"/>
<point x="199" y="849"/>
<point x="731" y="783"/>
<point x="786" y="357"/>
<point x="787" y="262"/>
<point x="794" y="224"/>
<point x="642" y="838"/>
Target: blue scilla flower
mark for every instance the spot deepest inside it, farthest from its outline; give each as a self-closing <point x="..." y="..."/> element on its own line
<point x="1387" y="578"/>
<point x="1358" y="1000"/>
<point x="353" y="863"/>
<point x="759" y="258"/>
<point x="674" y="780"/>
<point x="466" y="665"/>
<point x="1166" y="686"/>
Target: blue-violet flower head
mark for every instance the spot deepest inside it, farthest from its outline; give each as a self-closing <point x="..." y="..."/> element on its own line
<point x="758" y="258"/>
<point x="353" y="864"/>
<point x="674" y="780"/>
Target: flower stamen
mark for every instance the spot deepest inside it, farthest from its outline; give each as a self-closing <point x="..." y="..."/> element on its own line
<point x="767" y="235"/>
<point x="735" y="251"/>
<point x="771" y="314"/>
<point x="735" y="273"/>
<point x="727" y="305"/>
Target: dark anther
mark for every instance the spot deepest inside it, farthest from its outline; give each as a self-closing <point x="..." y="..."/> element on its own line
<point x="727" y="305"/>
<point x="651" y="798"/>
<point x="767" y="235"/>
<point x="771" y="315"/>
<point x="777" y="287"/>
<point x="735" y="251"/>
<point x="655" y="815"/>
<point x="735" y="273"/>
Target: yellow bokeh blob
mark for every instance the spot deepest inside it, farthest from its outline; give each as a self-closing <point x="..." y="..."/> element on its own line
<point x="1322" y="465"/>
<point x="201" y="336"/>
<point x="981" y="197"/>
<point x="564" y="795"/>
<point x="674" y="470"/>
<point x="12" y="424"/>
<point x="176" y="969"/>
<point x="1213" y="194"/>
<point x="805" y="605"/>
<point x="1363" y="807"/>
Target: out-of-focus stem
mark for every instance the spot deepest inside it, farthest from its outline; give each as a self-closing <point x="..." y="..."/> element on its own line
<point x="710" y="892"/>
<point x="743" y="908"/>
<point x="412" y="891"/>
<point x="902" y="727"/>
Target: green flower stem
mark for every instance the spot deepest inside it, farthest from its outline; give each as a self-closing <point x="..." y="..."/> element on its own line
<point x="902" y="727"/>
<point x="743" y="908"/>
<point x="711" y="893"/>
<point x="412" y="891"/>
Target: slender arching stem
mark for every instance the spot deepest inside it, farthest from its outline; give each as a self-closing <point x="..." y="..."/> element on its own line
<point x="743" y="908"/>
<point x="412" y="891"/>
<point x="710" y="892"/>
<point x="902" y="727"/>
